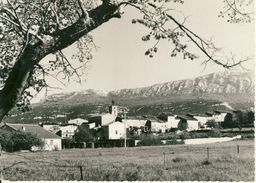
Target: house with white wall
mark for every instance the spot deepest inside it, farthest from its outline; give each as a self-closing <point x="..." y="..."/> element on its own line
<point x="115" y="130"/>
<point x="135" y="121"/>
<point x="156" y="125"/>
<point x="77" y="121"/>
<point x="51" y="140"/>
<point x="51" y="127"/>
<point x="102" y="120"/>
<point x="192" y="123"/>
<point x="219" y="116"/>
<point x="67" y="130"/>
<point x="172" y="122"/>
<point x="170" y="119"/>
<point x="201" y="118"/>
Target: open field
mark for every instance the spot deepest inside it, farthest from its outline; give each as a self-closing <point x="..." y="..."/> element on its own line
<point x="182" y="162"/>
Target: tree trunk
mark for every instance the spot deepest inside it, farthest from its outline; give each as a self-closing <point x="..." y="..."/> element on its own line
<point x="18" y="77"/>
<point x="41" y="46"/>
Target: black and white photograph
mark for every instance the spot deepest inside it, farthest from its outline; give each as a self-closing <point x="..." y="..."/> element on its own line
<point x="127" y="90"/>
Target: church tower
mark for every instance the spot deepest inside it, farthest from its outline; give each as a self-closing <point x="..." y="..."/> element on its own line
<point x="113" y="109"/>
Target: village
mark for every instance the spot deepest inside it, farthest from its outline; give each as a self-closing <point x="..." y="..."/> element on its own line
<point x="115" y="128"/>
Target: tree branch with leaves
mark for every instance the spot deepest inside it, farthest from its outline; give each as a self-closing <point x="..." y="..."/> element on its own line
<point x="31" y="30"/>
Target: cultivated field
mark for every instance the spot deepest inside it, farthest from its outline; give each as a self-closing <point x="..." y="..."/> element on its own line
<point x="182" y="163"/>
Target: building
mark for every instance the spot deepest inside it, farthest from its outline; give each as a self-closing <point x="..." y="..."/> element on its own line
<point x="170" y="119"/>
<point x="51" y="140"/>
<point x="67" y="130"/>
<point x="209" y="116"/>
<point x="77" y="121"/>
<point x="219" y="116"/>
<point x="112" y="131"/>
<point x="192" y="123"/>
<point x="51" y="127"/>
<point x="102" y="120"/>
<point x="115" y="109"/>
<point x="135" y="122"/>
<point x="156" y="125"/>
<point x="202" y="119"/>
<point x="172" y="122"/>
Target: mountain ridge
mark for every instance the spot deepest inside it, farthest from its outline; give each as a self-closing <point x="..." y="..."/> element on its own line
<point x="216" y="91"/>
<point x="212" y="86"/>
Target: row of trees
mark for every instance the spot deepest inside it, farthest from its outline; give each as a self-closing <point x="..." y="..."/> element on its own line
<point x="239" y="119"/>
<point x="16" y="140"/>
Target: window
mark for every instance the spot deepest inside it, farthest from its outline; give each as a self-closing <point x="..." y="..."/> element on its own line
<point x="116" y="132"/>
<point x="51" y="142"/>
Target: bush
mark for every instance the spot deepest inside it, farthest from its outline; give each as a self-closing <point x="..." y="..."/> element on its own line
<point x="15" y="141"/>
<point x="84" y="134"/>
<point x="212" y="124"/>
<point x="248" y="136"/>
<point x="185" y="135"/>
<point x="174" y="142"/>
<point x="215" y="133"/>
<point x="149" y="140"/>
<point x="199" y="135"/>
<point x="169" y="136"/>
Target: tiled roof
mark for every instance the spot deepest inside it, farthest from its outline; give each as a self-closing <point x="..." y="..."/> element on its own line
<point x="186" y="117"/>
<point x="34" y="129"/>
<point x="136" y="118"/>
<point x="154" y="119"/>
<point x="209" y="113"/>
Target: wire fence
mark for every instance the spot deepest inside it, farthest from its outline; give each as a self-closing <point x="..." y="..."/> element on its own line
<point x="162" y="158"/>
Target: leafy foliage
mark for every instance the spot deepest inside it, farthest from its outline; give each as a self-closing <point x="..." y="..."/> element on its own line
<point x="32" y="30"/>
<point x="182" y="125"/>
<point x="238" y="11"/>
<point x="83" y="134"/>
<point x="149" y="140"/>
<point x="15" y="141"/>
<point x="212" y="124"/>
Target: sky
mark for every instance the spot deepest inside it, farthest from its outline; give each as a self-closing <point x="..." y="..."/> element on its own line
<point x="119" y="61"/>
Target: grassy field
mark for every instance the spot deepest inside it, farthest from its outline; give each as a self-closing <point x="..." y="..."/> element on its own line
<point x="182" y="163"/>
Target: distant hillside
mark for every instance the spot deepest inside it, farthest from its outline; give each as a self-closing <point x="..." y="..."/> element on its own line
<point x="227" y="87"/>
<point x="212" y="86"/>
<point x="224" y="91"/>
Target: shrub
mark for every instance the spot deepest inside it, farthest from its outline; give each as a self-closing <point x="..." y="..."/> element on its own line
<point x="182" y="125"/>
<point x="84" y="134"/>
<point x="185" y="135"/>
<point x="169" y="136"/>
<point x="248" y="136"/>
<point x="178" y="159"/>
<point x="67" y="143"/>
<point x="212" y="124"/>
<point x="174" y="142"/>
<point x="15" y="141"/>
<point x="215" y="133"/>
<point x="206" y="162"/>
<point x="149" y="140"/>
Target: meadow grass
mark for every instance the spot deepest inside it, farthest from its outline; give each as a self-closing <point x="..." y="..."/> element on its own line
<point x="182" y="163"/>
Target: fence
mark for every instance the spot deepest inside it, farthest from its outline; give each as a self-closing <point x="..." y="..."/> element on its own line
<point x="123" y="156"/>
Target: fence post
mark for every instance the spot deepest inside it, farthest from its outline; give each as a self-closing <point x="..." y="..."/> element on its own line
<point x="208" y="157"/>
<point x="164" y="158"/>
<point x="1" y="172"/>
<point x="237" y="149"/>
<point x="81" y="172"/>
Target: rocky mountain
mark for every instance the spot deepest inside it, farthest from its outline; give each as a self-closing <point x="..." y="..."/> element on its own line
<point x="225" y="87"/>
<point x="217" y="91"/>
<point x="216" y="83"/>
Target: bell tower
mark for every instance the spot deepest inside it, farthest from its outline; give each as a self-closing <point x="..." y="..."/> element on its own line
<point x="113" y="109"/>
